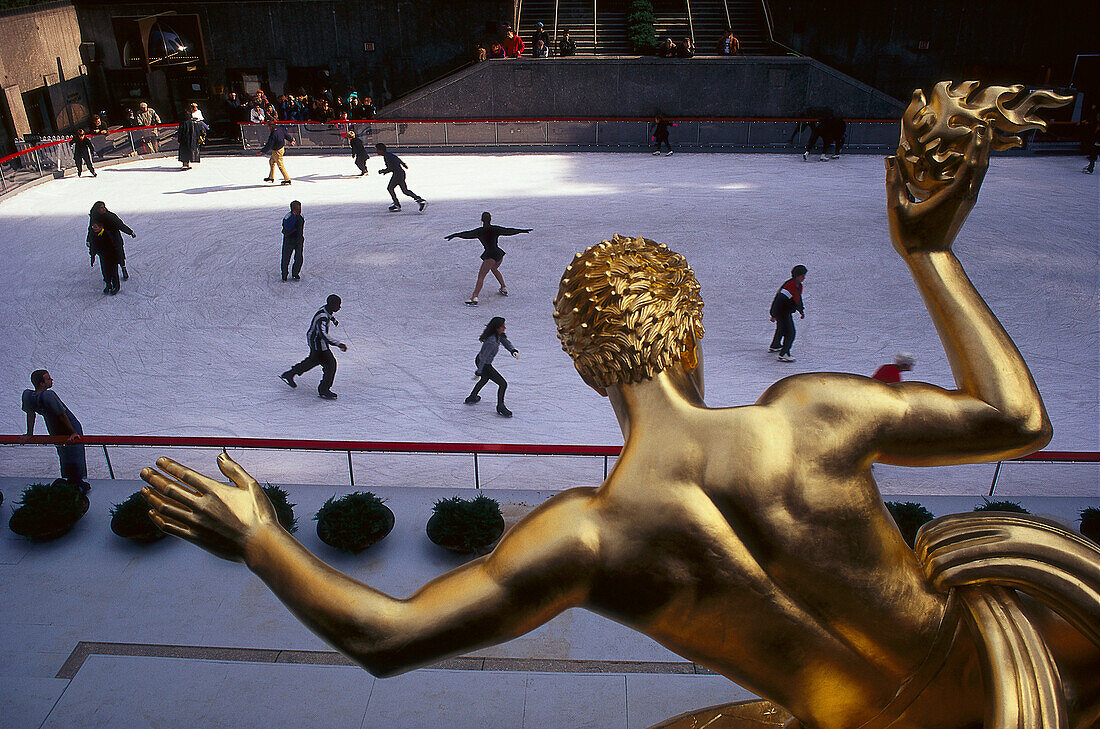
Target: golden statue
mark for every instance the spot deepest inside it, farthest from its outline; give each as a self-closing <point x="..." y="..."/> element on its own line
<point x="753" y="540"/>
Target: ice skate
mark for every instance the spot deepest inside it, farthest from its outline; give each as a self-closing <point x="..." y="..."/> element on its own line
<point x="503" y="290"/>
<point x="668" y="153"/>
<point x="125" y="274"/>
<point x="1087" y="170"/>
<point x="835" y="156"/>
<point x="285" y="182"/>
<point x="296" y="277"/>
<point x="284" y="277"/>
<point x="395" y="208"/>
<point x="269" y="179"/>
<point x="288" y="379"/>
<point x="805" y="156"/>
<point x="107" y="289"/>
<point x="823" y="158"/>
<point x="503" y="411"/>
<point x="773" y="350"/>
<point x="327" y="395"/>
<point x="784" y="358"/>
<point x="470" y="302"/>
<point x="472" y="399"/>
<point x="423" y="204"/>
<point x="656" y="153"/>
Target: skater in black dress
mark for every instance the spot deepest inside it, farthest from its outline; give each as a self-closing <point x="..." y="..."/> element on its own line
<point x="492" y="339"/>
<point x="488" y="234"/>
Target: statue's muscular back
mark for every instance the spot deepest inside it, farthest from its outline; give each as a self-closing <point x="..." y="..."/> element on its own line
<point x="763" y="556"/>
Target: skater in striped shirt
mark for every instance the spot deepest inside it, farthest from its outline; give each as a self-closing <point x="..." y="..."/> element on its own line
<point x="320" y="352"/>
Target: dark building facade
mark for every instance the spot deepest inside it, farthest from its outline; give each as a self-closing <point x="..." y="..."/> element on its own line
<point x="171" y="54"/>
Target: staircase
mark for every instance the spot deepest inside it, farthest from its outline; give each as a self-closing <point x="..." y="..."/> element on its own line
<point x="576" y="16"/>
<point x="749" y="25"/>
<point x="599" y="26"/>
<point x="672" y="20"/>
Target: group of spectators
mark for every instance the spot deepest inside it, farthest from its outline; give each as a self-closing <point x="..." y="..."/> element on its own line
<point x="729" y="45"/>
<point x="323" y="107"/>
<point x="510" y="45"/>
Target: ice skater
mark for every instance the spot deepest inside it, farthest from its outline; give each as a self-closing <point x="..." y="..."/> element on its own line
<point x="59" y="421"/>
<point x="277" y="140"/>
<point x="397" y="168"/>
<point x="831" y="130"/>
<point x="82" y="153"/>
<point x="359" y="151"/>
<point x="319" y="349"/>
<point x="660" y="135"/>
<point x="293" y="240"/>
<point x="115" y="228"/>
<point x="491" y="341"/>
<point x="787" y="301"/>
<point x="488" y="234"/>
<point x="889" y="373"/>
<point x="102" y="244"/>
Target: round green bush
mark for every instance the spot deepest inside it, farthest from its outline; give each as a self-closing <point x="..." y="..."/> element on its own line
<point x="1090" y="523"/>
<point x="465" y="526"/>
<point x="130" y="520"/>
<point x="284" y="510"/>
<point x="910" y="517"/>
<point x="48" y="511"/>
<point x="1011" y="506"/>
<point x="353" y="522"/>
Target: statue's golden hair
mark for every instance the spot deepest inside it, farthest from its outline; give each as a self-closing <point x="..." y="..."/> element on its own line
<point x="626" y="309"/>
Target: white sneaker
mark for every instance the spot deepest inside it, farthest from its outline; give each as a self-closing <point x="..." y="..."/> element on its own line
<point x="784" y="358"/>
<point x="824" y="158"/>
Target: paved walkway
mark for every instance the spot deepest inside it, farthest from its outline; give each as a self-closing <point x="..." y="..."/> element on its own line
<point x="98" y="632"/>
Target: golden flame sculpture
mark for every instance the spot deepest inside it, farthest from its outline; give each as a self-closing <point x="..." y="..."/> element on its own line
<point x="753" y="539"/>
<point x="935" y="132"/>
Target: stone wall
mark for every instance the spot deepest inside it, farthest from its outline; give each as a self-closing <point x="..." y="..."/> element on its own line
<point x="640" y="87"/>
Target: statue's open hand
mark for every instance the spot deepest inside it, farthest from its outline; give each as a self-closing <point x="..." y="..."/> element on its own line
<point x="221" y="518"/>
<point x="932" y="224"/>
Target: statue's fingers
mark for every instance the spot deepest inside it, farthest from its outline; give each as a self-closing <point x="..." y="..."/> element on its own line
<point x="169" y="488"/>
<point x="234" y="472"/>
<point x="166" y="505"/>
<point x="897" y="191"/>
<point x="194" y="479"/>
<point x="169" y="526"/>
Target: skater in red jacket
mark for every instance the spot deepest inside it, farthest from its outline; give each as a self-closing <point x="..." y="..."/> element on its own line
<point x="903" y="362"/>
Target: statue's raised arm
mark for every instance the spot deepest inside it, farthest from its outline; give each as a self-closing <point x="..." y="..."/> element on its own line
<point x="932" y="184"/>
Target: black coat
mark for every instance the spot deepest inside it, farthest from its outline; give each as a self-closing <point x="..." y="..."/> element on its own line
<point x="105" y="246"/>
<point x="189" y="133"/>
<point x="114" y="228"/>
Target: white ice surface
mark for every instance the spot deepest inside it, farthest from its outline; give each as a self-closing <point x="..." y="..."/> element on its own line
<point x="194" y="342"/>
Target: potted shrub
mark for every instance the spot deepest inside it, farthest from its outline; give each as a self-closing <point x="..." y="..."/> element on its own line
<point x="354" y="521"/>
<point x="465" y="526"/>
<point x="910" y="517"/>
<point x="284" y="510"/>
<point x="48" y="511"/>
<point x="130" y="520"/>
<point x="1012" y="506"/>
<point x="1090" y="523"/>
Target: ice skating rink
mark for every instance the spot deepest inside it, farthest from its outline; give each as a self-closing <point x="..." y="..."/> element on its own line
<point x="194" y="342"/>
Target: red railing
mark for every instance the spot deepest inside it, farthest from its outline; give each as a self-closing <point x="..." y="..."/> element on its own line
<point x="369" y="446"/>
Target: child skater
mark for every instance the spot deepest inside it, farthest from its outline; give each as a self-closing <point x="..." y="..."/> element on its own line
<point x="359" y="151"/>
<point x="488" y="234"/>
<point x="491" y="340"/>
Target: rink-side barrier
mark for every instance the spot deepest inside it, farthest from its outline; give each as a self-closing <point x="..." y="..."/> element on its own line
<point x="406" y="447"/>
<point x="700" y="134"/>
<point x="53" y="156"/>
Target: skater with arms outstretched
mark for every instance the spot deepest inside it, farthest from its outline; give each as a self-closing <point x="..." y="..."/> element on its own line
<point x="488" y="234"/>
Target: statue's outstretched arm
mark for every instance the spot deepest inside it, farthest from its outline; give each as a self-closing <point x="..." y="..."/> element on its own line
<point x="996" y="410"/>
<point x="540" y="568"/>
